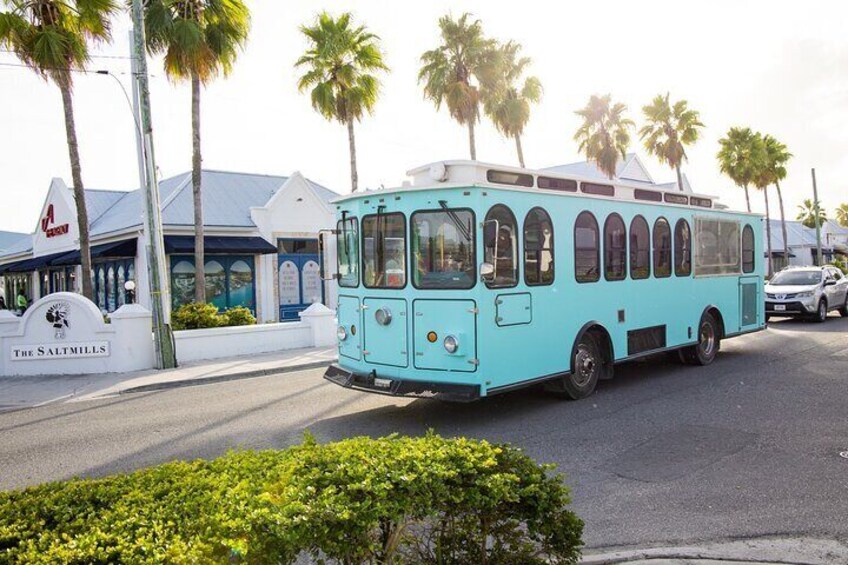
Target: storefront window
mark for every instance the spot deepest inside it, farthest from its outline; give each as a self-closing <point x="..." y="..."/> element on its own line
<point x="216" y="284"/>
<point x="229" y="281"/>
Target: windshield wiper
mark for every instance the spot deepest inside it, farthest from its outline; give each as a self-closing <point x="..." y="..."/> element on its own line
<point x="464" y="230"/>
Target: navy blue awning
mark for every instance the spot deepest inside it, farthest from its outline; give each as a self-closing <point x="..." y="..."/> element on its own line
<point x="123" y="248"/>
<point x="218" y="244"/>
<point x="33" y="264"/>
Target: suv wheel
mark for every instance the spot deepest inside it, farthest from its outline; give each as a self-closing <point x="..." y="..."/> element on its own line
<point x="844" y="310"/>
<point x="821" y="313"/>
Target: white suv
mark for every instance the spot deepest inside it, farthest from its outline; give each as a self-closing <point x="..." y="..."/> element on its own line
<point x="807" y="292"/>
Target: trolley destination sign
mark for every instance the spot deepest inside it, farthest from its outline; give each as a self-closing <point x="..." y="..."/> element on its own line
<point x="47" y="351"/>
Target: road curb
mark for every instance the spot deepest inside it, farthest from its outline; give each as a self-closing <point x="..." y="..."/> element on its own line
<point x="223" y="378"/>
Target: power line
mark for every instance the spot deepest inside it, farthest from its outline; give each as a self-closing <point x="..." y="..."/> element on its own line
<point x="124" y="57"/>
<point x="81" y="71"/>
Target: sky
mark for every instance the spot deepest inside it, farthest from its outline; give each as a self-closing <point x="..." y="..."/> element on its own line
<point x="779" y="67"/>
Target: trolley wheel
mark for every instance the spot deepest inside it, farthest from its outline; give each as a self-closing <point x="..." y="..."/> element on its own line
<point x="589" y="365"/>
<point x="709" y="342"/>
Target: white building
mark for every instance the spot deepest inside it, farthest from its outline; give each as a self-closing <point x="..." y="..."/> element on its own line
<point x="261" y="240"/>
<point x="801" y="242"/>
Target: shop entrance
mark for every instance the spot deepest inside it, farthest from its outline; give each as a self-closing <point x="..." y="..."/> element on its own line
<point x="300" y="282"/>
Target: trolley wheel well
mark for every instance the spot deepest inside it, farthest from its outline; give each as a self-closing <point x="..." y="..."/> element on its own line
<point x="602" y="337"/>
<point x="716" y="314"/>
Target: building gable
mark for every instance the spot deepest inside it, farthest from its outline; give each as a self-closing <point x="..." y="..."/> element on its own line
<point x="57" y="229"/>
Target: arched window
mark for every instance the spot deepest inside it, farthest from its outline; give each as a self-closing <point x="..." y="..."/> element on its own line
<point x="587" y="253"/>
<point x="240" y="285"/>
<point x="748" y="255"/>
<point x="640" y="249"/>
<point x="182" y="283"/>
<point x="615" y="248"/>
<point x="662" y="248"/>
<point x="682" y="249"/>
<point x="216" y="284"/>
<point x="501" y="247"/>
<point x="538" y="248"/>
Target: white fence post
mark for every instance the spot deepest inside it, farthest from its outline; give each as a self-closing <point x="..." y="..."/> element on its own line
<point x="133" y="349"/>
<point x="322" y="323"/>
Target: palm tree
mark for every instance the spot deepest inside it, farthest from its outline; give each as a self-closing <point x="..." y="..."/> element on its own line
<point x="200" y="39"/>
<point x="604" y="134"/>
<point x="340" y="63"/>
<point x="668" y="130"/>
<point x="807" y="214"/>
<point x="453" y="71"/>
<point x="52" y="38"/>
<point x="507" y="101"/>
<point x="842" y="215"/>
<point x="764" y="176"/>
<point x="777" y="156"/>
<point x="736" y="158"/>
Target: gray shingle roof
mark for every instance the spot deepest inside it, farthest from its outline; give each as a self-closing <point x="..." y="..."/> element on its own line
<point x="8" y="239"/>
<point x="589" y="169"/>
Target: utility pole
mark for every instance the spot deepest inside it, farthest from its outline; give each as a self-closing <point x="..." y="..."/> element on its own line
<point x="159" y="295"/>
<point x="818" y="226"/>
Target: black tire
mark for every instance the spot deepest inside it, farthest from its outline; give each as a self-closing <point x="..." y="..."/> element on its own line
<point x="844" y="310"/>
<point x="589" y="365"/>
<point x="821" y="313"/>
<point x="709" y="343"/>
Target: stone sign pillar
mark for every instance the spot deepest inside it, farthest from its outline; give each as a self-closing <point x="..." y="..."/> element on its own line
<point x="65" y="334"/>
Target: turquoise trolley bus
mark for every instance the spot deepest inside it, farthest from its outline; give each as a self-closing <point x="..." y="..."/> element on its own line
<point x="477" y="279"/>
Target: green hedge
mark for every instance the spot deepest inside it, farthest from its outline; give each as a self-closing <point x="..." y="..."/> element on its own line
<point x="389" y="500"/>
<point x="195" y="316"/>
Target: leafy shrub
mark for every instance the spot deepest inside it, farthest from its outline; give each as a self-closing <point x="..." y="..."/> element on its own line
<point x="422" y="500"/>
<point x="841" y="262"/>
<point x="195" y="316"/>
<point x="239" y="316"/>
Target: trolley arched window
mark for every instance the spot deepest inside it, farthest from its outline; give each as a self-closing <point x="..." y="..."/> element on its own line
<point x="615" y="248"/>
<point x="640" y="249"/>
<point x="682" y="249"/>
<point x="662" y="248"/>
<point x="587" y="254"/>
<point x="538" y="248"/>
<point x="748" y="255"/>
<point x="501" y="246"/>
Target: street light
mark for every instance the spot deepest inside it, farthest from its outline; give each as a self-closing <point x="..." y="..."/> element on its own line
<point x="129" y="286"/>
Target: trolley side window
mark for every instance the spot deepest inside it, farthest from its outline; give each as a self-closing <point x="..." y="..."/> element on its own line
<point x="615" y="248"/>
<point x="538" y="248"/>
<point x="347" y="244"/>
<point x="748" y="254"/>
<point x="443" y="249"/>
<point x="717" y="247"/>
<point x="662" y="248"/>
<point x="384" y="251"/>
<point x="640" y="249"/>
<point x="682" y="249"/>
<point x="501" y="247"/>
<point x="587" y="253"/>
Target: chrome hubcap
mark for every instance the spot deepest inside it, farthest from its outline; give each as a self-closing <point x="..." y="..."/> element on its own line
<point x="707" y="339"/>
<point x="585" y="365"/>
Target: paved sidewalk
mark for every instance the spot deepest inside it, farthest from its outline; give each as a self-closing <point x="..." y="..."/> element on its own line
<point x="26" y="392"/>
<point x="762" y="551"/>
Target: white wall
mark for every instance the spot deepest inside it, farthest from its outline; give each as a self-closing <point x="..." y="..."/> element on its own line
<point x="316" y="329"/>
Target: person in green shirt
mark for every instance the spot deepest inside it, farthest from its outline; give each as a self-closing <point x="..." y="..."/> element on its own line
<point x="22" y="302"/>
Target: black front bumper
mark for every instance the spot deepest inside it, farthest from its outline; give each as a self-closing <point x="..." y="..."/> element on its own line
<point x="371" y="382"/>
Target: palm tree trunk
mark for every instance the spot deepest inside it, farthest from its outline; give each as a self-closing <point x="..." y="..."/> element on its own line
<point x="782" y="223"/>
<point x="354" y="177"/>
<point x="79" y="190"/>
<point x="471" y="140"/>
<point x="747" y="198"/>
<point x="679" y="179"/>
<point x="196" y="173"/>
<point x="768" y="235"/>
<point x="520" y="151"/>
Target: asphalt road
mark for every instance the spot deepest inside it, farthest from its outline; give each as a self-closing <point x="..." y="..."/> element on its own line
<point x="662" y="454"/>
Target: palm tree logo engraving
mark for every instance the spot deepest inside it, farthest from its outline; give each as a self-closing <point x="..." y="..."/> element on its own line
<point x="58" y="315"/>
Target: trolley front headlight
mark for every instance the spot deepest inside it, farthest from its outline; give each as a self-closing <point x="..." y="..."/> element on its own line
<point x="451" y="344"/>
<point x="341" y="333"/>
<point x="383" y="316"/>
